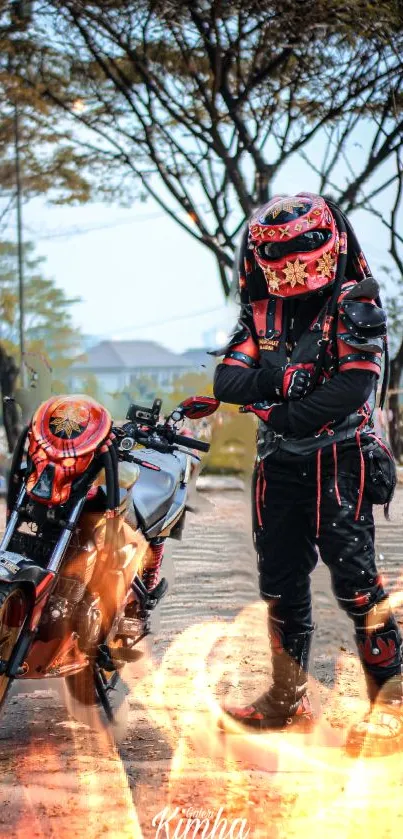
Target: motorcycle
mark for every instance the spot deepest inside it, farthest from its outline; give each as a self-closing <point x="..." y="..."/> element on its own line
<point x="89" y="508"/>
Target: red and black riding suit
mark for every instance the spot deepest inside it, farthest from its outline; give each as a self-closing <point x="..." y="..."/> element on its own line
<point x="311" y="478"/>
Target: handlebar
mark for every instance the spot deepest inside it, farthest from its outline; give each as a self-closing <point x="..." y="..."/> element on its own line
<point x="161" y="438"/>
<point x="191" y="442"/>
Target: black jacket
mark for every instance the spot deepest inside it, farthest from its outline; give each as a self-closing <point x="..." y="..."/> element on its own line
<point x="253" y="360"/>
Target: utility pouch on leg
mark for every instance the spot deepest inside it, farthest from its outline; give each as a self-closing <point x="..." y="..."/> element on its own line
<point x="380" y="470"/>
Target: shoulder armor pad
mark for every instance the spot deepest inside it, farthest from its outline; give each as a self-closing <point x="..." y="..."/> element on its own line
<point x="364" y="324"/>
<point x="239" y="334"/>
<point x="366" y="288"/>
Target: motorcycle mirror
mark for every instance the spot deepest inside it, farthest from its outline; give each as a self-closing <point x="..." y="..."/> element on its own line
<point x="196" y="407"/>
<point x="150" y="416"/>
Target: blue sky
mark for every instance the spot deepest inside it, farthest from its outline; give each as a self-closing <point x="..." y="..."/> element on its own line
<point x="139" y="268"/>
<point x="141" y="276"/>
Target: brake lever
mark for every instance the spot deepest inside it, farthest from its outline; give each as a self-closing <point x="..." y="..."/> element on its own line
<point x="187" y="451"/>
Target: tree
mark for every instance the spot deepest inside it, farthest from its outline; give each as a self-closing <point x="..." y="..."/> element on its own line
<point x="48" y="322"/>
<point x="27" y="120"/>
<point x="200" y="105"/>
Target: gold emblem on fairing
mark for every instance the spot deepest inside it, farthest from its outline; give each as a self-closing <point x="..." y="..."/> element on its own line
<point x="272" y="279"/>
<point x="325" y="265"/>
<point x="69" y="421"/>
<point x="295" y="273"/>
<point x="287" y="205"/>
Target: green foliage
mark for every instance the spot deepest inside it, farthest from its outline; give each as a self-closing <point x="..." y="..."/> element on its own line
<point x="201" y="105"/>
<point x="48" y="323"/>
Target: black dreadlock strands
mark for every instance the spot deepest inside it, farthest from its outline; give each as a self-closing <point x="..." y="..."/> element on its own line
<point x="340" y="274"/>
<point x="110" y="475"/>
<point x="356" y="250"/>
<point x="109" y="479"/>
<point x="386" y="373"/>
<point x="115" y="466"/>
<point x="13" y="483"/>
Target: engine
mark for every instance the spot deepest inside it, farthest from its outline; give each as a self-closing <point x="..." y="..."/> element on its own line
<point x="71" y="607"/>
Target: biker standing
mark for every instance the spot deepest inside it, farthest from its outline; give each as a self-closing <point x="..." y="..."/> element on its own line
<point x="305" y="356"/>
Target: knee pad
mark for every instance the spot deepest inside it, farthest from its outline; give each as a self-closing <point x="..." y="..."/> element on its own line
<point x="289" y="618"/>
<point x="359" y="602"/>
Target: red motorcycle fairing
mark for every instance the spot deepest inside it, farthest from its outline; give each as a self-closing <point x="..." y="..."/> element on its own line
<point x="64" y="435"/>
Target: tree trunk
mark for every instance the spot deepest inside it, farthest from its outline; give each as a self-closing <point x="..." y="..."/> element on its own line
<point x="8" y="376"/>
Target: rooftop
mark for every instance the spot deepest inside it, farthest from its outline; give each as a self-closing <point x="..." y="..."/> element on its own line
<point x="115" y="355"/>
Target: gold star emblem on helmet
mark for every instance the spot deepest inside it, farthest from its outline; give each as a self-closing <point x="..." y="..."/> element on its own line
<point x="272" y="279"/>
<point x="67" y="421"/>
<point x="295" y="273"/>
<point x="325" y="265"/>
<point x="286" y="205"/>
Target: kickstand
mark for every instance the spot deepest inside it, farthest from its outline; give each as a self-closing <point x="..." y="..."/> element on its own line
<point x="102" y="686"/>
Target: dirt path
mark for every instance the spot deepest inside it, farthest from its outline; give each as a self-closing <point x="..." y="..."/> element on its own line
<point x="60" y="779"/>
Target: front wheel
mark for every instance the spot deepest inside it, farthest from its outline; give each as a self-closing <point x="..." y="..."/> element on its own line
<point x="13" y="611"/>
<point x="99" y="699"/>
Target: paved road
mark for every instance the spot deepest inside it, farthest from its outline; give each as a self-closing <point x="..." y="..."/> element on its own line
<point x="60" y="779"/>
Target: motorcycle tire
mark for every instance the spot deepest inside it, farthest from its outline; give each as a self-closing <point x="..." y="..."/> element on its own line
<point x="13" y="612"/>
<point x="85" y="706"/>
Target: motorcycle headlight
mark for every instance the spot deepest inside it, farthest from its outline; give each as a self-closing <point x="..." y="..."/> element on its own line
<point x="128" y="474"/>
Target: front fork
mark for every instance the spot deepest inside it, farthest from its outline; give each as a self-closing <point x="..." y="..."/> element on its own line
<point x="40" y="580"/>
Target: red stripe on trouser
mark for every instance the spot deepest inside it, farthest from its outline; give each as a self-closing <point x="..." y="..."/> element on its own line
<point x="318" y="489"/>
<point x="258" y="494"/>
<point x="263" y="488"/>
<point x="362" y="476"/>
<point x="336" y="485"/>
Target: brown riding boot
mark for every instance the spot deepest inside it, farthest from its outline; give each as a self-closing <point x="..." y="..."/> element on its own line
<point x="286" y="703"/>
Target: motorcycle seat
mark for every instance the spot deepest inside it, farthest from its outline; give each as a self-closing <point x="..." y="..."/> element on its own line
<point x="154" y="490"/>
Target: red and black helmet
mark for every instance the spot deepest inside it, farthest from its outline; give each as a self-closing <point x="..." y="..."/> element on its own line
<point x="295" y="242"/>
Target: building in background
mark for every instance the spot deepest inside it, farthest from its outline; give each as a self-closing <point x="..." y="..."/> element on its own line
<point x="139" y="368"/>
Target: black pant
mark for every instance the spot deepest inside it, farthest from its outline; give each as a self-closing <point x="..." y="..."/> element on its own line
<point x="297" y="508"/>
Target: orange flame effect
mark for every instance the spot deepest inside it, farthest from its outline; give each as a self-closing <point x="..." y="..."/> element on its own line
<point x="270" y="784"/>
<point x="281" y="784"/>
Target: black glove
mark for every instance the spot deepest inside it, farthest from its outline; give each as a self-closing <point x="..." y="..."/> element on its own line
<point x="274" y="414"/>
<point x="263" y="410"/>
<point x="297" y="380"/>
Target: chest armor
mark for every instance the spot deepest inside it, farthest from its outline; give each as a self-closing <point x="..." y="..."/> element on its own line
<point x="277" y="348"/>
<point x="277" y="343"/>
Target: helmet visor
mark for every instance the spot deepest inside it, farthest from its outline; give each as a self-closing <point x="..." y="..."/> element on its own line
<point x="312" y="240"/>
